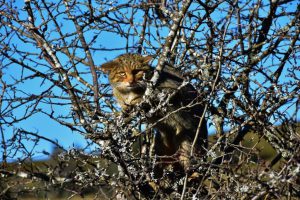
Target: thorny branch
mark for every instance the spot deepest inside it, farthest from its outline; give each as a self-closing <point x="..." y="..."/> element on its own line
<point x="242" y="57"/>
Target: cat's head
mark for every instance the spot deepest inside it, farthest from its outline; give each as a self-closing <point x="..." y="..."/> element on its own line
<point x="127" y="72"/>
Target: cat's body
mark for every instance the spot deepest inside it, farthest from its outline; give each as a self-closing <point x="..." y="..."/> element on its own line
<point x="177" y="123"/>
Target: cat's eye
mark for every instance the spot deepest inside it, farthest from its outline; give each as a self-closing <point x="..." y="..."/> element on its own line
<point x="140" y="72"/>
<point x="122" y="74"/>
<point x="139" y="75"/>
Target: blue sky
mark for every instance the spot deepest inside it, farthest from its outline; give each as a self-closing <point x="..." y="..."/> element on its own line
<point x="40" y="123"/>
<point x="43" y="124"/>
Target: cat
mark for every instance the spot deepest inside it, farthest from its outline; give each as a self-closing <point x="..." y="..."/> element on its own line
<point x="177" y="123"/>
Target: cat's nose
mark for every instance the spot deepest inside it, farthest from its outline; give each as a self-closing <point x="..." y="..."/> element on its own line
<point x="131" y="83"/>
<point x="130" y="79"/>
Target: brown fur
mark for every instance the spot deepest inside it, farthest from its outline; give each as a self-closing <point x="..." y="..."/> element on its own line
<point x="126" y="78"/>
<point x="177" y="130"/>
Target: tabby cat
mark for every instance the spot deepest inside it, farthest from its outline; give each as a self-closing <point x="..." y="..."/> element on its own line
<point x="178" y="122"/>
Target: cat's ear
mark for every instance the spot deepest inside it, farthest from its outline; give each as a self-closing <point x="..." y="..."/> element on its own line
<point x="147" y="59"/>
<point x="107" y="67"/>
